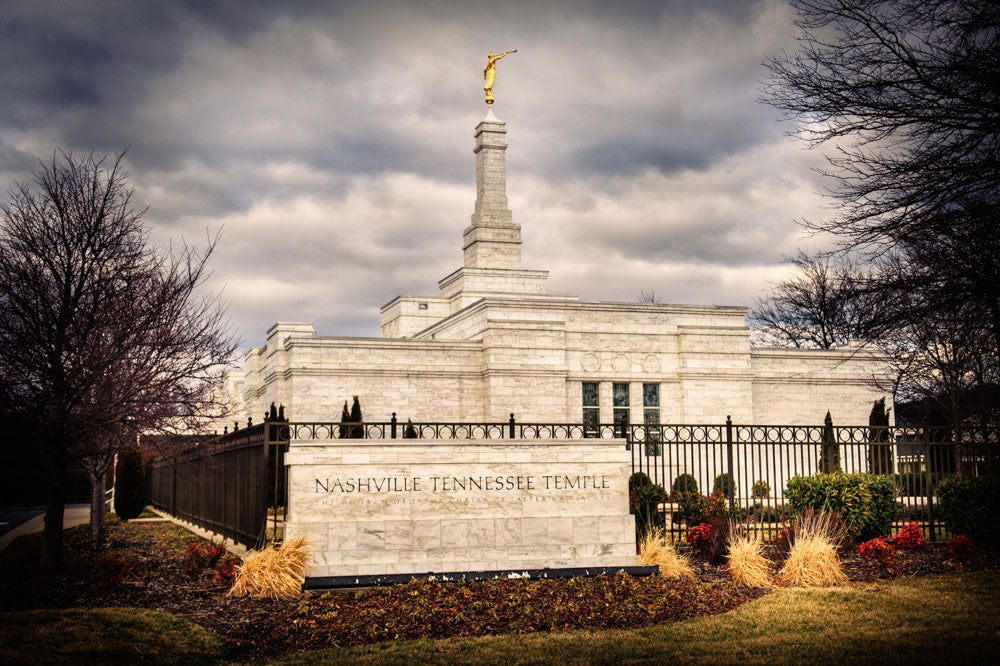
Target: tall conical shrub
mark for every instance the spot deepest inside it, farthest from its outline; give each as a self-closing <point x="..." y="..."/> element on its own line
<point x="829" y="451"/>
<point x="879" y="447"/>
<point x="345" y="417"/>
<point x="130" y="485"/>
<point x="357" y="432"/>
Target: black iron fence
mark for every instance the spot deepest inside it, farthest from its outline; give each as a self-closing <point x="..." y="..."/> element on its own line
<point x="221" y="485"/>
<point x="227" y="485"/>
<point x="758" y="459"/>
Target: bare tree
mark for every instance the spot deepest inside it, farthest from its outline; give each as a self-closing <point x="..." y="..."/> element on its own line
<point x="905" y="91"/>
<point x="101" y="334"/>
<point x="814" y="307"/>
<point x="650" y="297"/>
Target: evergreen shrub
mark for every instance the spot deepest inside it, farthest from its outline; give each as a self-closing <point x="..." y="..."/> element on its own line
<point x="685" y="483"/>
<point x="761" y="489"/>
<point x="130" y="485"/>
<point x="647" y="508"/>
<point x="880" y="449"/>
<point x="866" y="503"/>
<point x="721" y="484"/>
<point x="968" y="505"/>
<point x="693" y="508"/>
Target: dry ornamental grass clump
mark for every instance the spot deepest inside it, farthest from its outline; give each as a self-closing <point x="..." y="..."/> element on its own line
<point x="274" y="572"/>
<point x="654" y="549"/>
<point x="746" y="564"/>
<point x="812" y="560"/>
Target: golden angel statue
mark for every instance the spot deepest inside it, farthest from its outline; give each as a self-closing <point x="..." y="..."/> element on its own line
<point x="490" y="73"/>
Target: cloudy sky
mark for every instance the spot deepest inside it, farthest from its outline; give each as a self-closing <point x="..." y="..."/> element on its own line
<point x="332" y="142"/>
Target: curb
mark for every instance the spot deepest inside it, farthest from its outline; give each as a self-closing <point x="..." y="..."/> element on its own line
<point x="236" y="549"/>
<point x="36" y="524"/>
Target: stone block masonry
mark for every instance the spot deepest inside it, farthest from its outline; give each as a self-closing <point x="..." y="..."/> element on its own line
<point x="398" y="507"/>
<point x="493" y="341"/>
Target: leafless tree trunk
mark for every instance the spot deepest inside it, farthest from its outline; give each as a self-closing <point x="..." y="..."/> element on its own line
<point x="97" y="490"/>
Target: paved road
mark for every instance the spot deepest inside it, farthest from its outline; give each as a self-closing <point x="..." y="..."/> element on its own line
<point x="28" y="522"/>
<point x="11" y="519"/>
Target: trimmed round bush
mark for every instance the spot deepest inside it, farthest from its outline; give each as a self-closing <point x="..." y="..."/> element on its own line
<point x="685" y="483"/>
<point x="721" y="484"/>
<point x="968" y="506"/>
<point x="646" y="507"/>
<point x="638" y="480"/>
<point x="761" y="489"/>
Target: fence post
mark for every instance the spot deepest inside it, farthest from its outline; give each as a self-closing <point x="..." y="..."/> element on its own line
<point x="512" y="425"/>
<point x="392" y="429"/>
<point x="731" y="486"/>
<point x="173" y="486"/>
<point x="927" y="482"/>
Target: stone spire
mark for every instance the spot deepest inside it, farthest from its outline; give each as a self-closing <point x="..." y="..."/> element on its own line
<point x="492" y="240"/>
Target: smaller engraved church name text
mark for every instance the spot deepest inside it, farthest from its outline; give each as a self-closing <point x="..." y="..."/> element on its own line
<point x="501" y="483"/>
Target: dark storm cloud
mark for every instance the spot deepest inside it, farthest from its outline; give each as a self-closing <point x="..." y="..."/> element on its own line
<point x="331" y="141"/>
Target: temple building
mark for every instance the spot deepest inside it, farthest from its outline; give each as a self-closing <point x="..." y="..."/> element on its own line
<point x="494" y="342"/>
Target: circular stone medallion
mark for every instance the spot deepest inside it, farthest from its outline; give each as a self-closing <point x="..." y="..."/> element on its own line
<point x="590" y="362"/>
<point x="651" y="363"/>
<point x="620" y="363"/>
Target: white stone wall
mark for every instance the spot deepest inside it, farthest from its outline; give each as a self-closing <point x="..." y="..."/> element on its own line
<point x="372" y="508"/>
<point x="530" y="356"/>
<point x="798" y="386"/>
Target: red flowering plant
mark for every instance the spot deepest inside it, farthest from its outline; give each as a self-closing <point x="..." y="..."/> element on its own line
<point x="910" y="537"/>
<point x="225" y="572"/>
<point x="114" y="568"/>
<point x="961" y="548"/>
<point x="881" y="551"/>
<point x="215" y="551"/>
<point x="198" y="557"/>
<point x="700" y="537"/>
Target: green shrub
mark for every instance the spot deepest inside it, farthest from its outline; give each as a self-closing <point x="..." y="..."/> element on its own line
<point x="646" y="506"/>
<point x="761" y="489"/>
<point x="685" y="483"/>
<point x="829" y="451"/>
<point x="693" y="508"/>
<point x="130" y="485"/>
<point x="866" y="503"/>
<point x="721" y="484"/>
<point x="636" y="481"/>
<point x="967" y="505"/>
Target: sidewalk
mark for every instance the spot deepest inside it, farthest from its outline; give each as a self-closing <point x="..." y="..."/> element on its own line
<point x="74" y="514"/>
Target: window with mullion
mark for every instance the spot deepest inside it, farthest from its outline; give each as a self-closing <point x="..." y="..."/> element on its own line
<point x="591" y="409"/>
<point x="621" y="405"/>
<point x="651" y="416"/>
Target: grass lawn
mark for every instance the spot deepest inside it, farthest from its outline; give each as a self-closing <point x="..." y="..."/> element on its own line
<point x="952" y="618"/>
<point x="104" y="636"/>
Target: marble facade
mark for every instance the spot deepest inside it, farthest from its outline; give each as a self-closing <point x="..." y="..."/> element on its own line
<point x="493" y="341"/>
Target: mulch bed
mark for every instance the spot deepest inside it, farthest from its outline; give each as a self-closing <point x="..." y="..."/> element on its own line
<point x="155" y="578"/>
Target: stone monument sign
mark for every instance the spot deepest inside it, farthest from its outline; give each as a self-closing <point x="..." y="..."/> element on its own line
<point x="382" y="507"/>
